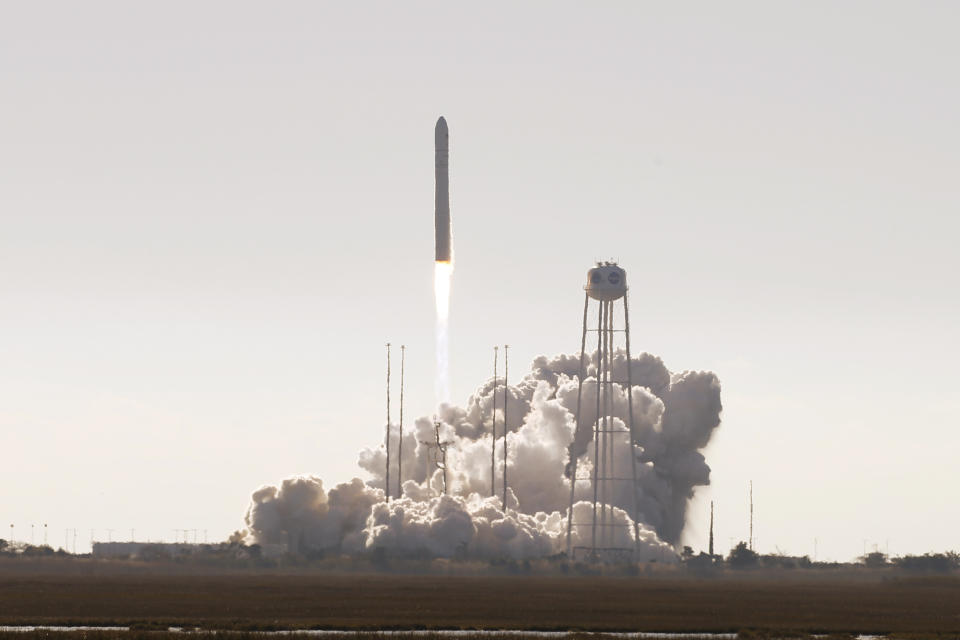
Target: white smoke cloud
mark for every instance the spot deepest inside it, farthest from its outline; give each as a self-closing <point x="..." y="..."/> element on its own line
<point x="674" y="417"/>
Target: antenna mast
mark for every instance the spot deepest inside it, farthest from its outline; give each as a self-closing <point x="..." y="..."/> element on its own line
<point x="493" y="429"/>
<point x="751" y="515"/>
<point x="506" y="429"/>
<point x="387" y="479"/>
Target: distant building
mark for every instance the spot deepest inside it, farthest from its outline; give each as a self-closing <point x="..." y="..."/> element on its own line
<point x="161" y="550"/>
<point x="268" y="550"/>
<point x="136" y="549"/>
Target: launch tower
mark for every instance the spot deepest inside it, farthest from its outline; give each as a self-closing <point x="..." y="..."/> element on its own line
<point x="606" y="283"/>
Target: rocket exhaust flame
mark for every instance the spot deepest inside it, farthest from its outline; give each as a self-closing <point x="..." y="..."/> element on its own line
<point x="441" y="288"/>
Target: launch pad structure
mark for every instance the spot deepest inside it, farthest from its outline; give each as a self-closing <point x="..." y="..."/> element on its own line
<point x="606" y="283"/>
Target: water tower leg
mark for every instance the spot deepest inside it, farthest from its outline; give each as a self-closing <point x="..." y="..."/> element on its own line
<point x="633" y="435"/>
<point x="605" y="389"/>
<point x="573" y="458"/>
<point x="596" y="432"/>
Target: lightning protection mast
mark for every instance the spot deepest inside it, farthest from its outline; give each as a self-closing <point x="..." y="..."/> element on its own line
<point x="506" y="429"/>
<point x="403" y="358"/>
<point x="493" y="429"/>
<point x="387" y="436"/>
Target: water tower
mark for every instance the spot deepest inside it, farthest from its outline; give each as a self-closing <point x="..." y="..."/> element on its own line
<point x="606" y="284"/>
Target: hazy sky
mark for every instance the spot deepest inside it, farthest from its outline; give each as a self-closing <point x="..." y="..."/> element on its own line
<point x="213" y="215"/>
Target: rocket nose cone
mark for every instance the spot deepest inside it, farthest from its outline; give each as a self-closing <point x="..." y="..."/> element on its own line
<point x="440" y="133"/>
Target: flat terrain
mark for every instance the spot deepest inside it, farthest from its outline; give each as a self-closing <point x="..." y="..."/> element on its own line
<point x="797" y="601"/>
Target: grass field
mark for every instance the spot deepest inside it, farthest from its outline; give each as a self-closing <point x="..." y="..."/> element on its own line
<point x="794" y="601"/>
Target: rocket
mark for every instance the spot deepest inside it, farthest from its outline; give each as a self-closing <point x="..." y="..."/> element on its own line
<point x="441" y="218"/>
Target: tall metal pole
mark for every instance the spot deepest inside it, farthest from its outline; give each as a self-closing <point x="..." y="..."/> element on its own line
<point x="403" y="358"/>
<point x="493" y="429"/>
<point x="573" y="458"/>
<point x="633" y="435"/>
<point x="596" y="433"/>
<point x="751" y="516"/>
<point x="506" y="428"/>
<point x="387" y="484"/>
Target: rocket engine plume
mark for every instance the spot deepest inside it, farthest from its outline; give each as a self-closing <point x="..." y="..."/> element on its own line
<point x="441" y="289"/>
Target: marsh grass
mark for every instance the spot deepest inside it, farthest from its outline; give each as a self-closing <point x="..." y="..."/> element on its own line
<point x="756" y="606"/>
<point x="146" y="634"/>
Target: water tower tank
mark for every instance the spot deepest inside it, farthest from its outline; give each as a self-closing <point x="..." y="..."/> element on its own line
<point x="606" y="281"/>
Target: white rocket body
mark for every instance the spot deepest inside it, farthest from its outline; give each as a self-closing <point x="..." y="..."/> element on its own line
<point x="441" y="137"/>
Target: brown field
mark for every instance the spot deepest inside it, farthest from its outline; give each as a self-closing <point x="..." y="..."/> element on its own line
<point x="812" y="602"/>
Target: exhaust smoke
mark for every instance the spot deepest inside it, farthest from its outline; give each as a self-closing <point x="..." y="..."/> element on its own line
<point x="675" y="415"/>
